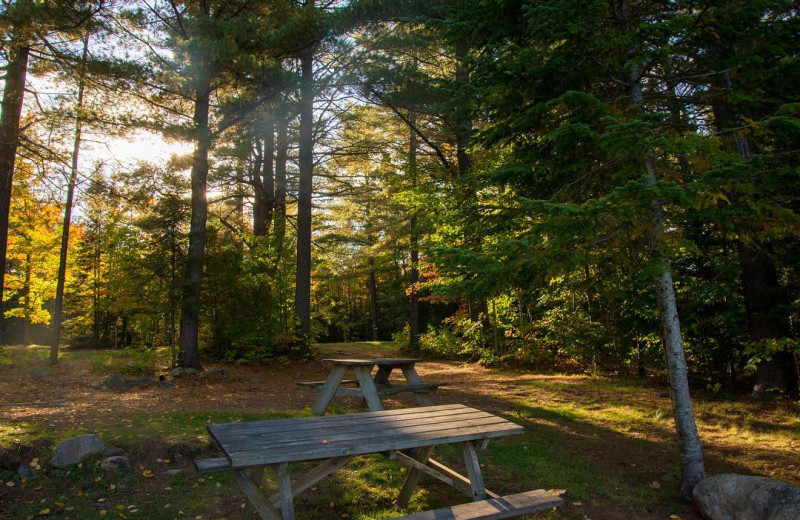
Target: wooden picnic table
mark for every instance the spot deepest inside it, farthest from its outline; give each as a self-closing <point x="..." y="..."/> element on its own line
<point x="371" y="389"/>
<point x="249" y="447"/>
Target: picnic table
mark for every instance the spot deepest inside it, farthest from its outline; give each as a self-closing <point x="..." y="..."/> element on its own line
<point x="249" y="447"/>
<point x="371" y="389"/>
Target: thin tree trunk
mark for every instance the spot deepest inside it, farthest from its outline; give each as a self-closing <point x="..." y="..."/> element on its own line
<point x="279" y="202"/>
<point x="26" y="290"/>
<point x="258" y="200"/>
<point x="692" y="468"/>
<point x="190" y="303"/>
<point x="413" y="315"/>
<point x="373" y="301"/>
<point x="73" y="178"/>
<point x="16" y="72"/>
<point x="268" y="176"/>
<point x="302" y="300"/>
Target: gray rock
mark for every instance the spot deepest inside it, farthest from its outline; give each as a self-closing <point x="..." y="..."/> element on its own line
<point x="112" y="451"/>
<point x="173" y="472"/>
<point x="216" y="370"/>
<point x="25" y="471"/>
<point x="165" y="384"/>
<point x="143" y="381"/>
<point x="115" y="463"/>
<point x="190" y="371"/>
<point x="178" y="372"/>
<point x="116" y="382"/>
<point x="38" y="373"/>
<point x="77" y="449"/>
<point x="745" y="497"/>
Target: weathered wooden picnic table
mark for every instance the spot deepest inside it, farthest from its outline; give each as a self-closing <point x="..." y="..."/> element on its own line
<point x="371" y="389"/>
<point x="249" y="447"/>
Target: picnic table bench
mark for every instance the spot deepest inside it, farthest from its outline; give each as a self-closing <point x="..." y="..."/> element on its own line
<point x="407" y="435"/>
<point x="371" y="388"/>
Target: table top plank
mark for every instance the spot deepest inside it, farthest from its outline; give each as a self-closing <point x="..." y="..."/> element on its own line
<point x="372" y="361"/>
<point x="292" y="440"/>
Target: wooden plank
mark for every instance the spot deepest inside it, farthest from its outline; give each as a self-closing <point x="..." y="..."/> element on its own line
<point x="365" y="433"/>
<point x="413" y="378"/>
<point x="494" y="508"/>
<point x="303" y="452"/>
<point x="314" y="384"/>
<point x="246" y="436"/>
<point x="473" y="470"/>
<point x="212" y="465"/>
<point x="328" y="390"/>
<point x="309" y="425"/>
<point x="370" y="391"/>
<point x="313" y="476"/>
<point x="372" y="361"/>
<point x="285" y="491"/>
<point x="462" y="483"/>
<point x="422" y="388"/>
<point x="254" y="496"/>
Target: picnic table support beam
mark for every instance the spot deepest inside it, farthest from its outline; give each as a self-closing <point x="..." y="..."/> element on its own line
<point x="328" y="390"/>
<point x="257" y="474"/>
<point x="312" y="477"/>
<point x="285" y="490"/>
<point x="473" y="470"/>
<point x="250" y="489"/>
<point x="364" y="376"/>
<point x="413" y="477"/>
<point x="423" y="399"/>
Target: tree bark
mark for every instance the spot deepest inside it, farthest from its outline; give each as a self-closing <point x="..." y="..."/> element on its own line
<point x="190" y="303"/>
<point x="16" y="72"/>
<point x="302" y="300"/>
<point x="692" y="467"/>
<point x="279" y="202"/>
<point x="373" y="301"/>
<point x="73" y="178"/>
<point x="413" y="315"/>
<point x="265" y="182"/>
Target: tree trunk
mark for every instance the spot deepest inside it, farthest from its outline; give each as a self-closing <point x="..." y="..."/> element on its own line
<point x="279" y="202"/>
<point x="26" y="301"/>
<point x="373" y="301"/>
<point x="268" y="176"/>
<point x="190" y="303"/>
<point x="302" y="299"/>
<point x="258" y="200"/>
<point x="73" y="177"/>
<point x="413" y="315"/>
<point x="692" y="468"/>
<point x="16" y="71"/>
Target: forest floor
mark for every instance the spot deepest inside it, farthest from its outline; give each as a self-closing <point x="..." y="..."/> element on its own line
<point x="610" y="443"/>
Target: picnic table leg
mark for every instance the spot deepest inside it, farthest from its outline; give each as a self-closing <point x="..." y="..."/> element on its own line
<point x="423" y="399"/>
<point x="254" y="496"/>
<point x="413" y="477"/>
<point x="285" y="491"/>
<point x="368" y="388"/>
<point x="382" y="376"/>
<point x="328" y="390"/>
<point x="473" y="470"/>
<point x="257" y="474"/>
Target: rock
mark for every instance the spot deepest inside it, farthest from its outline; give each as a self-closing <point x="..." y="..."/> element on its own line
<point x="143" y="381"/>
<point x="38" y="373"/>
<point x="216" y="370"/>
<point x="115" y="382"/>
<point x="190" y="371"/>
<point x="173" y="472"/>
<point x="112" y="451"/>
<point x="115" y="463"/>
<point x="256" y="380"/>
<point x="77" y="449"/>
<point x="745" y="497"/>
<point x="25" y="471"/>
<point x="178" y="372"/>
<point x="165" y="384"/>
<point x="96" y="385"/>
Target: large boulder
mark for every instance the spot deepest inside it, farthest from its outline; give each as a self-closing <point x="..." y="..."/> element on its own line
<point x="744" y="497"/>
<point x="76" y="450"/>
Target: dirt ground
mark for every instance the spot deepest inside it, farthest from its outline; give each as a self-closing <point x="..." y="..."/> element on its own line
<point x="70" y="399"/>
